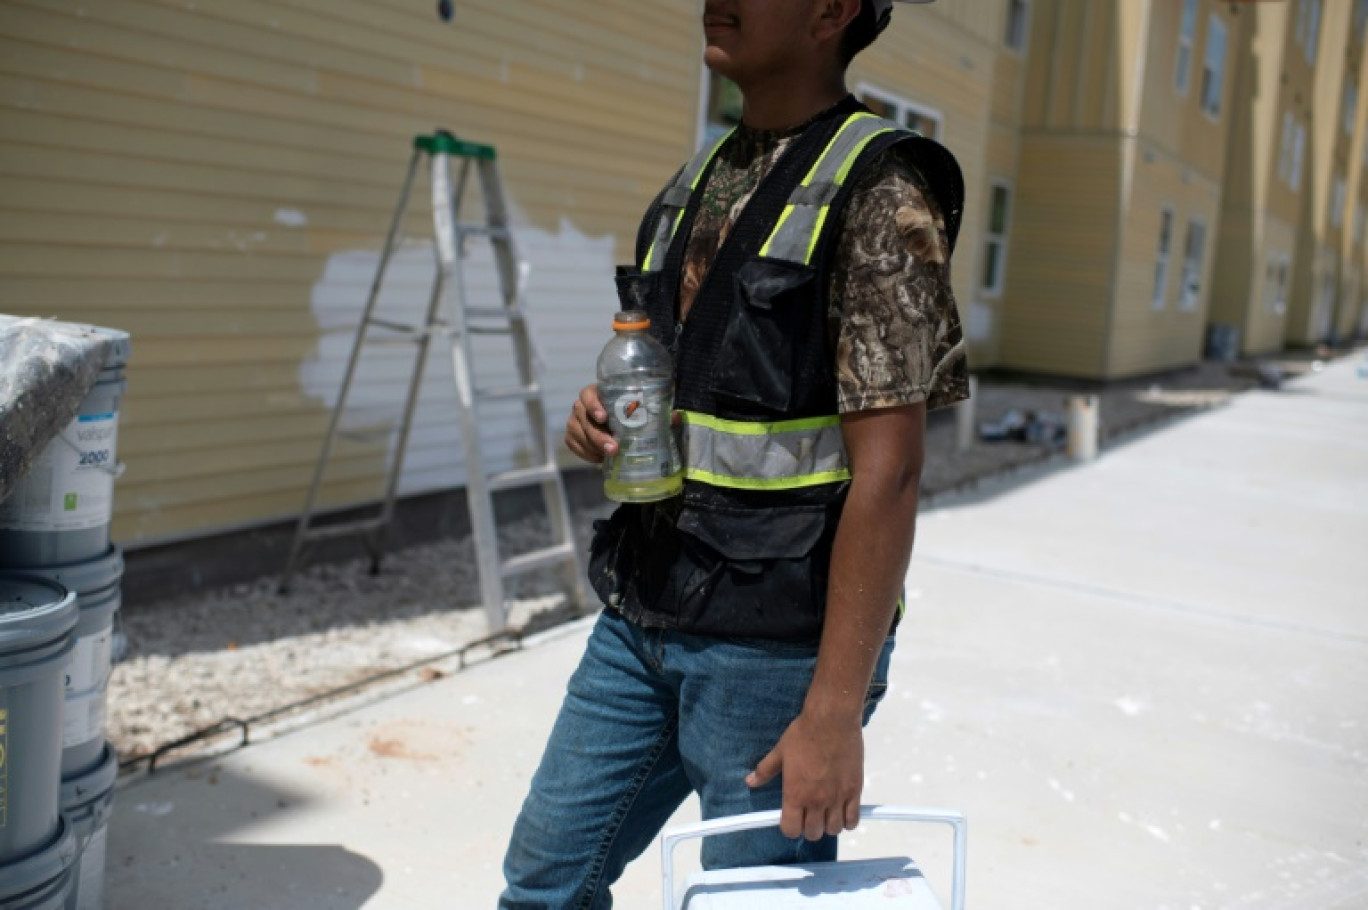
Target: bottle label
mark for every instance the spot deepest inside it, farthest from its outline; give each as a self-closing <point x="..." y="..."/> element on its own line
<point x="639" y="419"/>
<point x="70" y="486"/>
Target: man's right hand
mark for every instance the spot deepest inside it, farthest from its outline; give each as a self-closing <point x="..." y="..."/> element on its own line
<point x="586" y="432"/>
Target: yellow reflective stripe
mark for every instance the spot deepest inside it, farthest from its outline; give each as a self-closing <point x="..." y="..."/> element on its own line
<point x="758" y="427"/>
<point x="788" y="210"/>
<point x="674" y="229"/>
<point x="846" y="165"/>
<point x="759" y="483"/>
<point x="816" y="232"/>
<point x="854" y="118"/>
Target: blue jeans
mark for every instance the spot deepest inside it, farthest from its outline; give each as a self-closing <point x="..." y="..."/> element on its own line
<point x="649" y="717"/>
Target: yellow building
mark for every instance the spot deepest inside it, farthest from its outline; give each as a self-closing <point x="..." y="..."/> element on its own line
<point x="1122" y="150"/>
<point x="1268" y="174"/>
<point x="1333" y="46"/>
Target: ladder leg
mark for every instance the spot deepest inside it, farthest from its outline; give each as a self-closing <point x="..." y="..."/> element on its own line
<point x="513" y="283"/>
<point x="484" y="532"/>
<point x="311" y="500"/>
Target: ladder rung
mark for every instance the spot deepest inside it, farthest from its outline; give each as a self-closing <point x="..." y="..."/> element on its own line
<point x="344" y="529"/>
<point x="489" y="329"/>
<point x="523" y="477"/>
<point x="486" y="230"/>
<point x="493" y="312"/>
<point x="411" y="333"/>
<point x="509" y="393"/>
<point x="538" y="558"/>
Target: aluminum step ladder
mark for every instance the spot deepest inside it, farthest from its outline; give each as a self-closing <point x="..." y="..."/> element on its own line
<point x="450" y="316"/>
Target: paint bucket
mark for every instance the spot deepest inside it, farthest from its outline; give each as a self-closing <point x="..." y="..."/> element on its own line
<point x="37" y="617"/>
<point x="96" y="583"/>
<point x="44" y="880"/>
<point x="59" y="512"/>
<point x="88" y="801"/>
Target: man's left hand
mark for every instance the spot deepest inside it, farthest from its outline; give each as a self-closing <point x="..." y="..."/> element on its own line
<point x="822" y="762"/>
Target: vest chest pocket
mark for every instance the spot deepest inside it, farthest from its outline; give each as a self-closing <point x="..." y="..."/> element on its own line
<point x="756" y="362"/>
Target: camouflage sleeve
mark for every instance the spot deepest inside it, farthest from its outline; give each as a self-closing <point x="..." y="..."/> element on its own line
<point x="897" y="330"/>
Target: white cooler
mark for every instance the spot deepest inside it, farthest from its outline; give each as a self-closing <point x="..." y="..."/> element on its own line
<point x="888" y="883"/>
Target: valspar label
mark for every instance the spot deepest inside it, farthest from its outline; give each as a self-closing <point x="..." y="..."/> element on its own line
<point x="70" y="486"/>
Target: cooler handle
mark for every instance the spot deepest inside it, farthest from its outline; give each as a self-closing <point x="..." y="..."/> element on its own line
<point x="733" y="823"/>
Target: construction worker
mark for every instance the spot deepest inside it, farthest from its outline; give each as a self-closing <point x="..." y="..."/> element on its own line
<point x="799" y="273"/>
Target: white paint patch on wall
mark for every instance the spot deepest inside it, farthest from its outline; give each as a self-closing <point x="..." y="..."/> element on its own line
<point x="570" y="300"/>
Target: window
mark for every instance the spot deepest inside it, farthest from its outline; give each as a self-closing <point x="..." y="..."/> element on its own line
<point x="1213" y="68"/>
<point x="1185" y="36"/>
<point x="910" y="114"/>
<point x="1360" y="14"/>
<point x="1359" y="215"/>
<point x="1313" y="18"/>
<point x="1275" y="290"/>
<point x="1285" y="148"/>
<point x="1298" y="153"/>
<point x="1350" y="112"/>
<point x="995" y="242"/>
<point x="1337" y="203"/>
<point x="1303" y="6"/>
<point x="1018" y="16"/>
<point x="1193" y="251"/>
<point x="1161" y="259"/>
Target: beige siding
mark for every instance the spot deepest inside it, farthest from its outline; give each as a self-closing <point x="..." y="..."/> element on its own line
<point x="216" y="180"/>
<point x="1064" y="235"/>
<point x="1145" y="337"/>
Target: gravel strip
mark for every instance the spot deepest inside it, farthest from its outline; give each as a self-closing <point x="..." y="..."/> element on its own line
<point x="246" y="650"/>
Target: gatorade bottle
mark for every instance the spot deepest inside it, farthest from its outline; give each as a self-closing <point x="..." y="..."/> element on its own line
<point x="636" y="387"/>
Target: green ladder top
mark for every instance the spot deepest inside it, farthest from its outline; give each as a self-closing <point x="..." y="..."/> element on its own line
<point x="444" y="143"/>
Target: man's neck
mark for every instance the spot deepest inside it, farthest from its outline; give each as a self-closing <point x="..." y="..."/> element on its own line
<point x="780" y="103"/>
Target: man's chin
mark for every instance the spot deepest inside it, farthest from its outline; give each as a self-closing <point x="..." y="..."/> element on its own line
<point x="719" y="61"/>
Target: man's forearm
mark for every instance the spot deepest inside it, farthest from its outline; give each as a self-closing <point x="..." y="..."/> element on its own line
<point x="868" y="564"/>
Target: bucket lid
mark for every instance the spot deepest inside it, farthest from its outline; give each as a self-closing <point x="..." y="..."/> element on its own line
<point x="34" y="610"/>
<point x="86" y="788"/>
<point x="85" y="577"/>
<point x="43" y="868"/>
<point x="121" y="348"/>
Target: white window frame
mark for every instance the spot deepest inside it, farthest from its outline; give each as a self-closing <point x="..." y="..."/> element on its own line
<point x="1213" y="77"/>
<point x="1313" y="23"/>
<point x="991" y="238"/>
<point x="1337" y="198"/>
<point x="1276" y="292"/>
<point x="903" y="105"/>
<point x="1023" y="39"/>
<point x="1187" y="34"/>
<point x="1163" y="255"/>
<point x="1285" y="148"/>
<point x="1190" y="294"/>
<point x="1298" y="155"/>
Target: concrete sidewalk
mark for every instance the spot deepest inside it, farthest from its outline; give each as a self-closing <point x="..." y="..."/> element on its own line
<point x="1145" y="680"/>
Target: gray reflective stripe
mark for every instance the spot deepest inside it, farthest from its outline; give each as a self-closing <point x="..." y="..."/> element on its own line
<point x="795" y="236"/>
<point x="764" y="457"/>
<point x="674" y="201"/>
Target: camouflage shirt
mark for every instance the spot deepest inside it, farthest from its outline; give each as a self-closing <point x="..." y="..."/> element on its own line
<point x="894" y="324"/>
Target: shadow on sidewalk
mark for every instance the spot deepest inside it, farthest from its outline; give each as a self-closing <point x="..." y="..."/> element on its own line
<point x="178" y="839"/>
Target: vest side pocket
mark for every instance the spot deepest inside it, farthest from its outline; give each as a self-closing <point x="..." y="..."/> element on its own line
<point x="755" y="365"/>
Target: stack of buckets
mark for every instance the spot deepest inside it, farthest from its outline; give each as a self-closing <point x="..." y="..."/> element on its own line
<point x="59" y="590"/>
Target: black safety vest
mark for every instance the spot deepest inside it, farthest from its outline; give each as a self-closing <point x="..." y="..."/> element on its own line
<point x="745" y="550"/>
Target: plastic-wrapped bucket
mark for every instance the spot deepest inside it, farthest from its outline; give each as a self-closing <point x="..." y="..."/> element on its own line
<point x="96" y="583"/>
<point x="87" y="801"/>
<point x="37" y="617"/>
<point x="44" y="880"/>
<point x="59" y="511"/>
